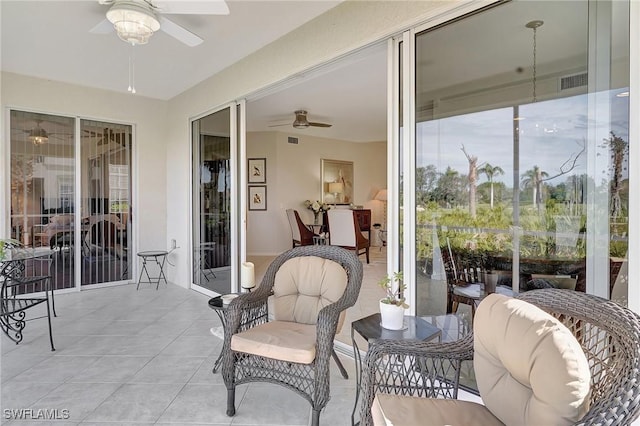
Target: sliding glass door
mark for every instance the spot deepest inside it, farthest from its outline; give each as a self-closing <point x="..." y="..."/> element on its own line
<point x="522" y="149"/>
<point x="214" y="170"/>
<point x="105" y="154"/>
<point x="51" y="168"/>
<point x="42" y="179"/>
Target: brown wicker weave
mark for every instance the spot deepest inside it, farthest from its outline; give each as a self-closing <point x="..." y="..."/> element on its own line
<point x="250" y="309"/>
<point x="608" y="333"/>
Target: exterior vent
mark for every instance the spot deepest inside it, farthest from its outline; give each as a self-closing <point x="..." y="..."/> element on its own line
<point x="573" y="81"/>
<point x="293" y="140"/>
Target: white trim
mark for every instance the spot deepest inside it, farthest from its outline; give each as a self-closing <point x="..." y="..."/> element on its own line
<point x="242" y="182"/>
<point x="233" y="154"/>
<point x="634" y="157"/>
<point x="393" y="144"/>
<point x="598" y="112"/>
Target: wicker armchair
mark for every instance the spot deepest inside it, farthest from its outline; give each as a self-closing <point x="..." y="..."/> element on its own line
<point x="608" y="333"/>
<point x="258" y="350"/>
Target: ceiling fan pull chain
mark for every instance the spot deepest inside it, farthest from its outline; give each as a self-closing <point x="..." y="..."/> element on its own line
<point x="132" y="76"/>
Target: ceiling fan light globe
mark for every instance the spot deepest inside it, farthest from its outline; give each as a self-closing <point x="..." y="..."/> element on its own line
<point x="38" y="136"/>
<point x="133" y="23"/>
<point x="38" y="140"/>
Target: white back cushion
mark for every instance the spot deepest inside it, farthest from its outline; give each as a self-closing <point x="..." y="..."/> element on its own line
<point x="529" y="368"/>
<point x="341" y="228"/>
<point x="293" y="223"/>
<point x="304" y="285"/>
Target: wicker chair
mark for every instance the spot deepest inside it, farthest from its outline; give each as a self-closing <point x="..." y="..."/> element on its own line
<point x="608" y="334"/>
<point x="258" y="350"/>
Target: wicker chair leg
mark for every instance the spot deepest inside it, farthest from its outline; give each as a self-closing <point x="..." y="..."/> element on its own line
<point x="315" y="417"/>
<point x="231" y="402"/>
<point x="334" y="355"/>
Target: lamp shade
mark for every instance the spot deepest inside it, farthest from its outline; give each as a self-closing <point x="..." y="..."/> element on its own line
<point x="247" y="275"/>
<point x="381" y="195"/>
<point x="336" y="187"/>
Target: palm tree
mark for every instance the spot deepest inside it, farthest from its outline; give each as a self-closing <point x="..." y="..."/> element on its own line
<point x="533" y="179"/>
<point x="491" y="171"/>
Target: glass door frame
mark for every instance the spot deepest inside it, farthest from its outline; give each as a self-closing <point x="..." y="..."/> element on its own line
<point x="237" y="149"/>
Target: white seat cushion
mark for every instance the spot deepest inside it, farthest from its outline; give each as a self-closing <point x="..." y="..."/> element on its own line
<point x="529" y="368"/>
<point x="388" y="410"/>
<point x="283" y="340"/>
<point x="472" y="291"/>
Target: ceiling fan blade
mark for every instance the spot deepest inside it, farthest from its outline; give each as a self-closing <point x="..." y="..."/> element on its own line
<point x="319" y="124"/>
<point x="193" y="7"/>
<point x="104" y="27"/>
<point x="178" y="32"/>
<point x="288" y="123"/>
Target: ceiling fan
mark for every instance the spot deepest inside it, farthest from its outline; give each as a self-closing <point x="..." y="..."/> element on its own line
<point x="135" y="21"/>
<point x="301" y="121"/>
<point x="38" y="135"/>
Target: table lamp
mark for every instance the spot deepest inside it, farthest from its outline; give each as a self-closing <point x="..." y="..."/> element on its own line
<point x="247" y="276"/>
<point x="335" y="188"/>
<point x="381" y="195"/>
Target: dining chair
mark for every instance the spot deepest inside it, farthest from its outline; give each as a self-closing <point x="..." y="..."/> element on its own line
<point x="301" y="235"/>
<point x="344" y="231"/>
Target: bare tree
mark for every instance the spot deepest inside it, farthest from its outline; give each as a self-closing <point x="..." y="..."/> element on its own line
<point x="619" y="148"/>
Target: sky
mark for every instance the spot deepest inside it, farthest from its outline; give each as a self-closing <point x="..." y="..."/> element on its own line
<point x="551" y="132"/>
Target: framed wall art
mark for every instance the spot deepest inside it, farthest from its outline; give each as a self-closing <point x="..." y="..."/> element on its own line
<point x="257" y="197"/>
<point x="257" y="170"/>
<point x="337" y="181"/>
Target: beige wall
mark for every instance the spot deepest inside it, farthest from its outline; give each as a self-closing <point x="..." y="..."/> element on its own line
<point x="293" y="175"/>
<point x="147" y="116"/>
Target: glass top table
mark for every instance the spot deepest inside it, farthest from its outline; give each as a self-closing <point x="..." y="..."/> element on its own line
<point x="370" y="328"/>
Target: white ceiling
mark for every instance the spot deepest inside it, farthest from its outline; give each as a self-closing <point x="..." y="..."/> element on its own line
<point x="51" y="40"/>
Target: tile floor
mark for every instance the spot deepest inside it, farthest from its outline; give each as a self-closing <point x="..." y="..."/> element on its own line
<point x="142" y="357"/>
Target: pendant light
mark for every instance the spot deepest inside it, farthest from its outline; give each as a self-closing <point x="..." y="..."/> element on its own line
<point x="534" y="25"/>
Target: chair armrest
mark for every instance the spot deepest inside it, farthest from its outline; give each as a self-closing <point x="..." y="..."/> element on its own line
<point x="246" y="311"/>
<point x="423" y="369"/>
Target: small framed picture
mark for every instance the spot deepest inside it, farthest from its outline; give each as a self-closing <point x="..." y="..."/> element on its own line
<point x="257" y="170"/>
<point x="257" y="198"/>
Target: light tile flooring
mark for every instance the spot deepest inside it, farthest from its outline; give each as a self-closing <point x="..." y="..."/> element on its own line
<point x="142" y="357"/>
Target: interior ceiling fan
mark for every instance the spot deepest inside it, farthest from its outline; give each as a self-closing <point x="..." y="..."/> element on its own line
<point x="135" y="21"/>
<point x="301" y="121"/>
<point x="38" y="135"/>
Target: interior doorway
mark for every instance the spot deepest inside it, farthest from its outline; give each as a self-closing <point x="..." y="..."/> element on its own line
<point x="346" y="111"/>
